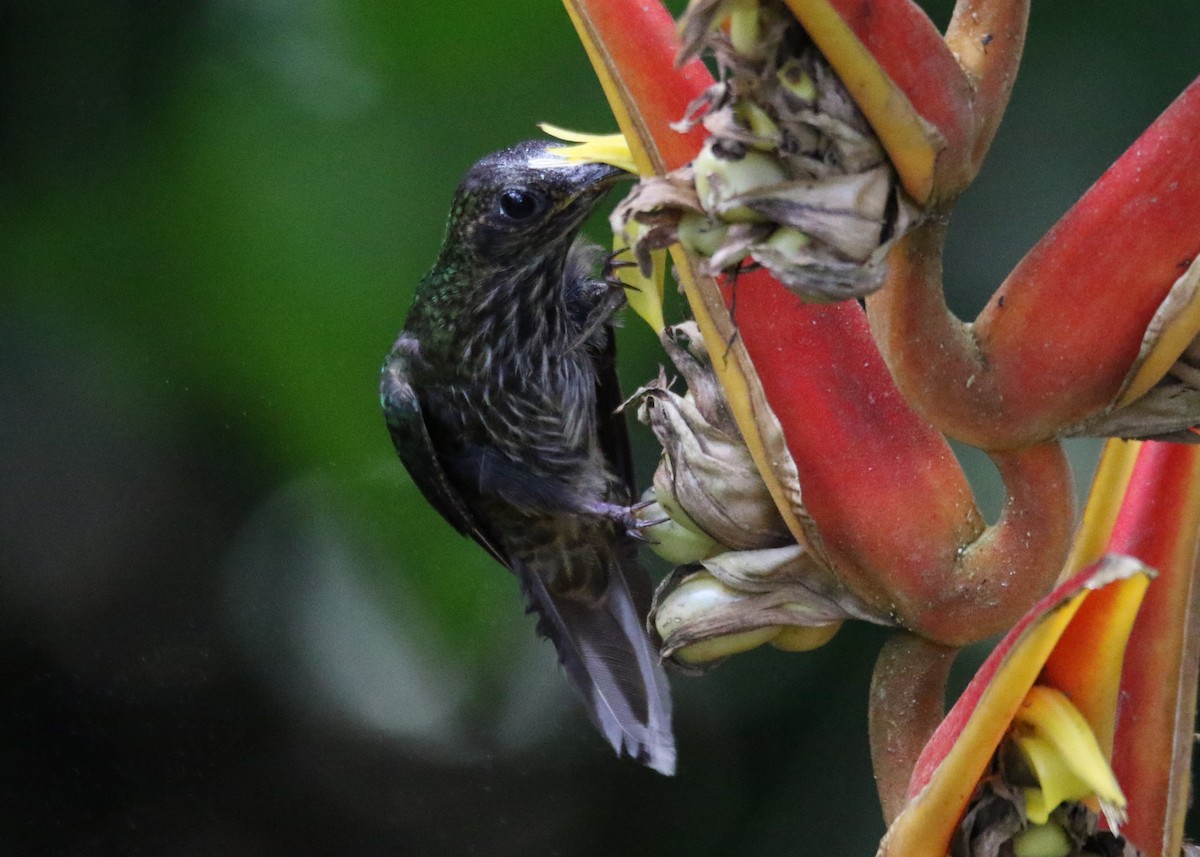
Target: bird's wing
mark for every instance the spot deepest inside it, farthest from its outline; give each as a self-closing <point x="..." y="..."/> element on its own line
<point x="610" y="420"/>
<point x="410" y="436"/>
<point x="611" y="661"/>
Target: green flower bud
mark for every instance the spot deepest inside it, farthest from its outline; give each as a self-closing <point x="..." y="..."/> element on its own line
<point x="1042" y="840"/>
<point x="696" y="600"/>
<point x="789" y="241"/>
<point x="794" y="79"/>
<point x="719" y="178"/>
<point x="795" y="638"/>
<point x="761" y="126"/>
<point x="700" y="234"/>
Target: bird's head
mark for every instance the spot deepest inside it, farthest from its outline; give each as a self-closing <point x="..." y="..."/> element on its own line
<point x="525" y="200"/>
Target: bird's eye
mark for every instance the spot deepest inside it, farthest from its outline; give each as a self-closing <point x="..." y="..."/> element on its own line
<point x="518" y="204"/>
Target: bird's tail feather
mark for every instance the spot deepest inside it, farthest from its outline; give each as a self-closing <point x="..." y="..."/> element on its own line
<point x="610" y="659"/>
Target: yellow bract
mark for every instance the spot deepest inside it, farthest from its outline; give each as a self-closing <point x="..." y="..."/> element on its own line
<point x="1066" y="632"/>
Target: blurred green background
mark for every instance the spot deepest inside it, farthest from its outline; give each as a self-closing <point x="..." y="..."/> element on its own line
<point x="228" y="623"/>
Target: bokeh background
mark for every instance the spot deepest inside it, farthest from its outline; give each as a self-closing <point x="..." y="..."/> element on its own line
<point x="228" y="623"/>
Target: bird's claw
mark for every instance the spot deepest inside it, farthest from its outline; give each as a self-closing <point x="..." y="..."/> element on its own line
<point x="612" y="265"/>
<point x="636" y="533"/>
<point x="626" y="517"/>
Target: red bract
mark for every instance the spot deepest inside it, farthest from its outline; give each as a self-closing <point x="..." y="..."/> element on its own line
<point x="1076" y="640"/>
<point x="847" y="421"/>
<point x="883" y="499"/>
<point x="1152" y="750"/>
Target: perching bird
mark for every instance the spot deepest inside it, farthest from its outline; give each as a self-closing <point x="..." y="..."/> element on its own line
<point x="501" y="398"/>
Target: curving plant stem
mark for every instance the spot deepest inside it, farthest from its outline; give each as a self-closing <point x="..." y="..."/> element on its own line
<point x="908" y="698"/>
<point x="1060" y="336"/>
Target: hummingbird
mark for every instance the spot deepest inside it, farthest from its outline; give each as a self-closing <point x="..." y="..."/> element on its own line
<point x="502" y="401"/>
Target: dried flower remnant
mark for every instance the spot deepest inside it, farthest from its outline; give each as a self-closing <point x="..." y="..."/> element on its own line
<point x="791" y="178"/>
<point x="739" y="600"/>
<point x="741" y="579"/>
<point x="706" y="480"/>
<point x="996" y="825"/>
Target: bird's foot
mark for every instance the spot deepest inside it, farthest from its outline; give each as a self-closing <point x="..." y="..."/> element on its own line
<point x="627" y="517"/>
<point x="613" y="264"/>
